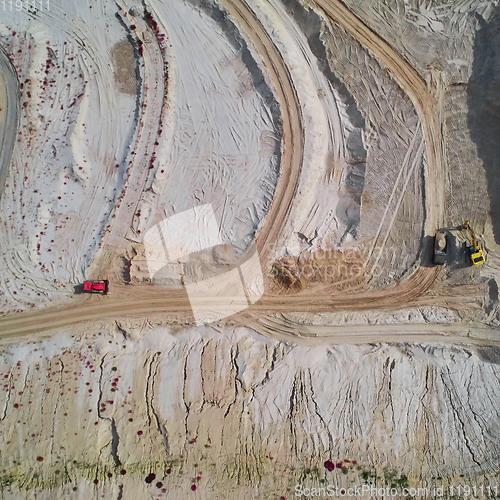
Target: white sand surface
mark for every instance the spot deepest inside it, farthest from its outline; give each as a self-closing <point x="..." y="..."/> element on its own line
<point x="223" y="147"/>
<point x="246" y="414"/>
<point x="75" y="127"/>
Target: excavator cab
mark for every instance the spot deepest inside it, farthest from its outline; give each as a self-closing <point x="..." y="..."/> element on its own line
<point x="477" y="257"/>
<point x="476" y="254"/>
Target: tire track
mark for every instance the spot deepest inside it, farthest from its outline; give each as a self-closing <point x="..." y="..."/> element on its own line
<point x="393" y="193"/>
<point x="293" y="126"/>
<point x="153" y="90"/>
<point x="426" y="99"/>
<point x="285" y="330"/>
<point x="416" y="160"/>
<point x="9" y="100"/>
<point x="148" y="300"/>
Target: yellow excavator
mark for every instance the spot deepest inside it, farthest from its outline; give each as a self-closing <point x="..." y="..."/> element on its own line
<point x="476" y="254"/>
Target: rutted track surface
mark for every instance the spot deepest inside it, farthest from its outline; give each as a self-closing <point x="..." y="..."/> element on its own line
<point x="275" y="327"/>
<point x="293" y="128"/>
<point x="144" y="300"/>
<point x="287" y="331"/>
<point x="9" y="87"/>
<point x="154" y="89"/>
<point x="426" y="101"/>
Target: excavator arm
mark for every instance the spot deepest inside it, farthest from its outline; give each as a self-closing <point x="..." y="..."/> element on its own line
<point x="472" y="235"/>
<point x="476" y="254"/>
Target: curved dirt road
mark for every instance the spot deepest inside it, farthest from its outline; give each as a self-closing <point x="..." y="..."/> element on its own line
<point x="426" y="101"/>
<point x="9" y="113"/>
<point x="293" y="127"/>
<point x="154" y="90"/>
<point x="128" y="300"/>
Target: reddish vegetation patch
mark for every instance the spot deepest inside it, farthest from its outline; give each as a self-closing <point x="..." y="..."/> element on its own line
<point x="40" y="459"/>
<point x="193" y="487"/>
<point x="16" y="405"/>
<point x="139" y="433"/>
<point x="329" y="465"/>
<point x="339" y="465"/>
<point x="96" y="481"/>
<point x="159" y="485"/>
<point x="169" y="471"/>
<point x="151" y="477"/>
<point x="123" y="472"/>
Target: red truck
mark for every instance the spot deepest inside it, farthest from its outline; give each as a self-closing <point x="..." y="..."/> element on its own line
<point x="101" y="286"/>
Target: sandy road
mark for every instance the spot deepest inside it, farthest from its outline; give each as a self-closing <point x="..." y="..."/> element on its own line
<point x="426" y="99"/>
<point x="147" y="300"/>
<point x="280" y="328"/>
<point x="261" y="317"/>
<point x="144" y="300"/>
<point x="154" y="90"/>
<point x="293" y="127"/>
